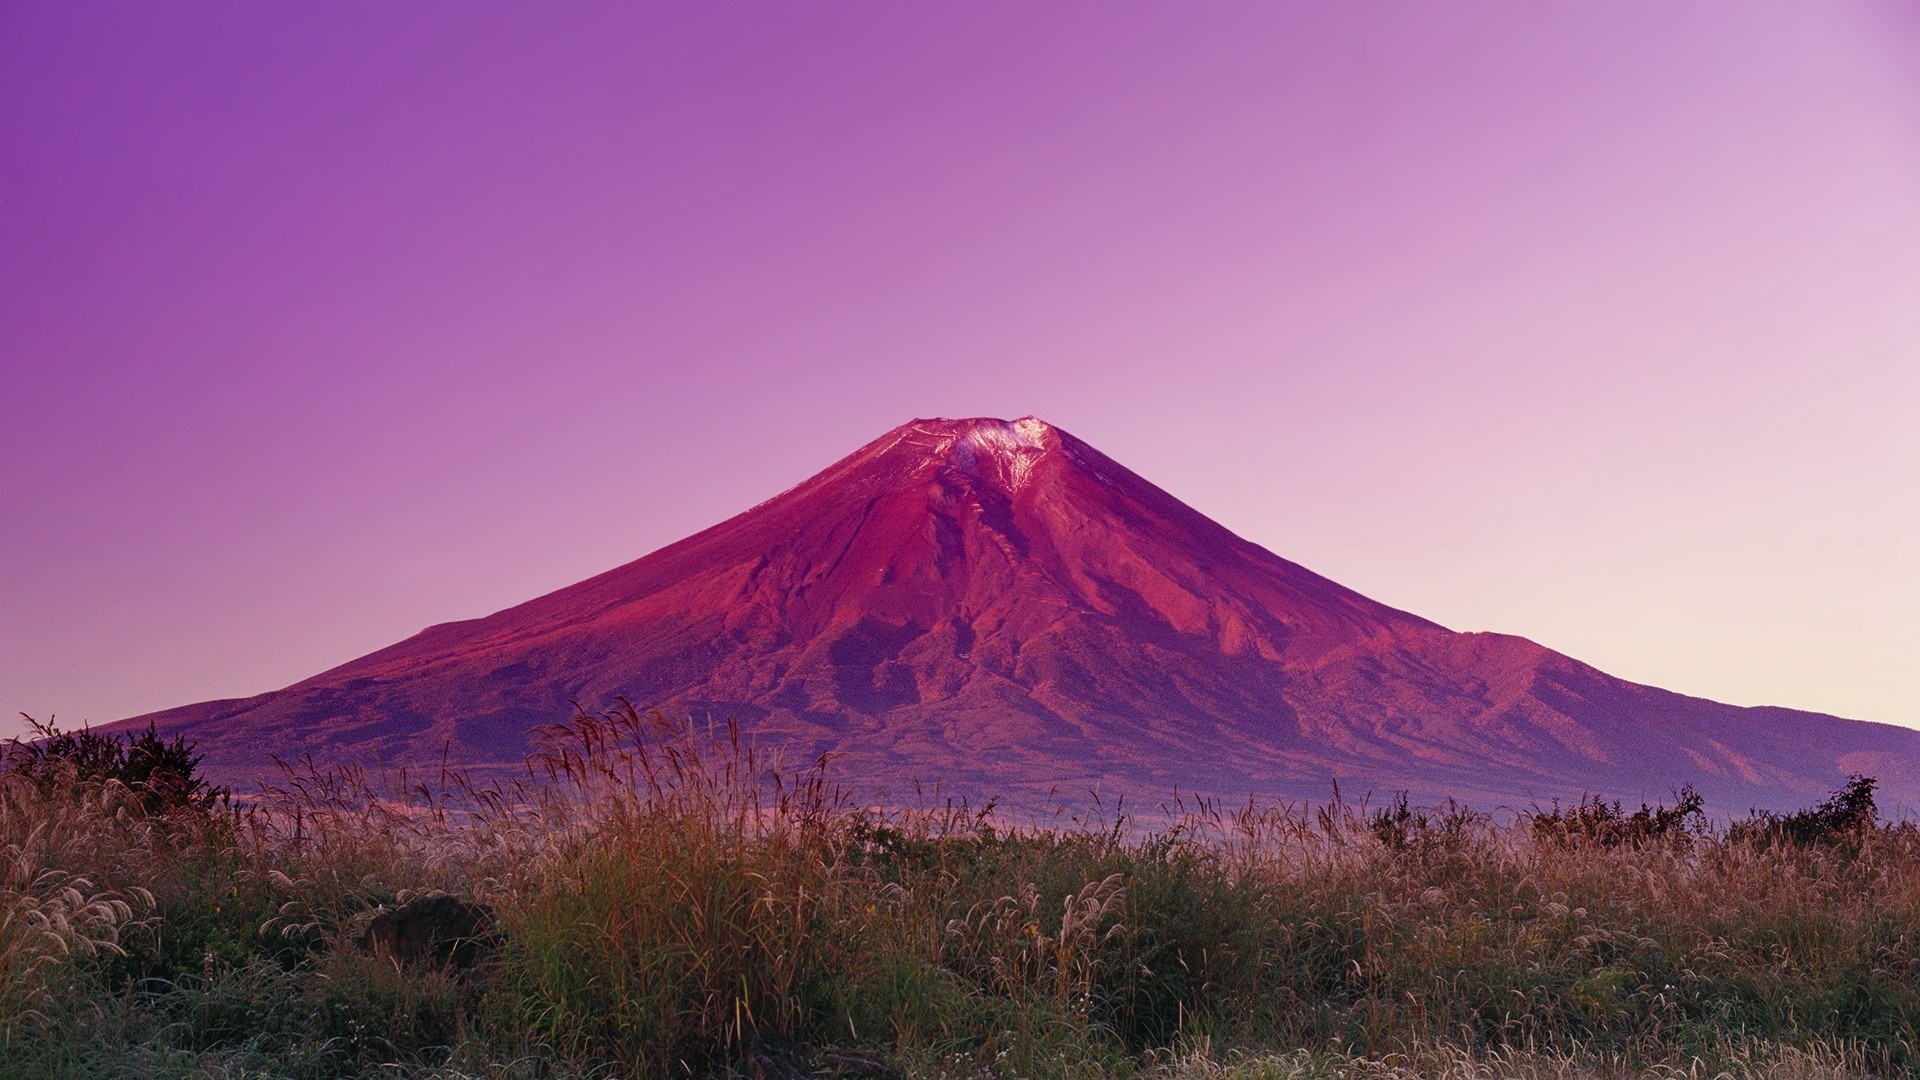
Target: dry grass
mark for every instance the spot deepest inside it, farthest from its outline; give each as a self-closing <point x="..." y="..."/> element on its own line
<point x="670" y="902"/>
<point x="1739" y="1062"/>
<point x="52" y="918"/>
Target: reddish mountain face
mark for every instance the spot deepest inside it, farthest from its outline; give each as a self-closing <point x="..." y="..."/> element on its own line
<point x="999" y="608"/>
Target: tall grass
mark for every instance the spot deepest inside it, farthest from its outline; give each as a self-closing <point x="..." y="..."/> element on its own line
<point x="670" y="901"/>
<point x="54" y="919"/>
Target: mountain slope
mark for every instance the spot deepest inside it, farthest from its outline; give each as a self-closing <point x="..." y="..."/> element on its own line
<point x="999" y="607"/>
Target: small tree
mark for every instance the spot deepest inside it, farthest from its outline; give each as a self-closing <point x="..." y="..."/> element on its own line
<point x="161" y="773"/>
<point x="1846" y="815"/>
<point x="1593" y="820"/>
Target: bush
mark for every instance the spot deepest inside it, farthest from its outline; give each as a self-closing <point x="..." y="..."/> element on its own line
<point x="1425" y="832"/>
<point x="161" y="774"/>
<point x="1595" y="821"/>
<point x="1843" y="818"/>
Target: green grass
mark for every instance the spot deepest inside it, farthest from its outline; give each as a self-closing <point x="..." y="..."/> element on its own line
<point x="669" y="903"/>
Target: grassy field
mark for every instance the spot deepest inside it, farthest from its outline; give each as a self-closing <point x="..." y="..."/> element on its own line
<point x="663" y="902"/>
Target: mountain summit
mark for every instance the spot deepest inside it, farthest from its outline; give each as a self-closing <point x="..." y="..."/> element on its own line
<point x="998" y="607"/>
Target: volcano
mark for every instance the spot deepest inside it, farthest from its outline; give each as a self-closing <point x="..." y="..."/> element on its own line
<point x="997" y="608"/>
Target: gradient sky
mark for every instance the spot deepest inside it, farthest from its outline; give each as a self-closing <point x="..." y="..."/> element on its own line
<point x="1594" y="323"/>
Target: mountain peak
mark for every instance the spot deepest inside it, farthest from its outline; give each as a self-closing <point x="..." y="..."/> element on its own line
<point x="1003" y="452"/>
<point x="983" y="433"/>
<point x="1029" y="427"/>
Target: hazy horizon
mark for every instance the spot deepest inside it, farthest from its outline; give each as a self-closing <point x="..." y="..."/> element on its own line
<point x="324" y="323"/>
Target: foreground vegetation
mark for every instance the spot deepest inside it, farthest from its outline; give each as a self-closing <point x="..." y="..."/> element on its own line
<point x="659" y="902"/>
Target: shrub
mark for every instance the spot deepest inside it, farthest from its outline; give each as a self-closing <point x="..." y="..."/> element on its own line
<point x="161" y="773"/>
<point x="1844" y="817"/>
<point x="1426" y="832"/>
<point x="1595" y="821"/>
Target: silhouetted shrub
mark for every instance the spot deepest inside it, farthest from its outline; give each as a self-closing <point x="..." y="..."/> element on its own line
<point x="1424" y="831"/>
<point x="161" y="773"/>
<point x="1595" y="821"/>
<point x="1847" y="814"/>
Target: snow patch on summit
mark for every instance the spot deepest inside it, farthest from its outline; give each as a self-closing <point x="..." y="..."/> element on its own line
<point x="1032" y="429"/>
<point x="1009" y="449"/>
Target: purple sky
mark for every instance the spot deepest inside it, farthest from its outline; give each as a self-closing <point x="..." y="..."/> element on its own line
<point x="1594" y="323"/>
